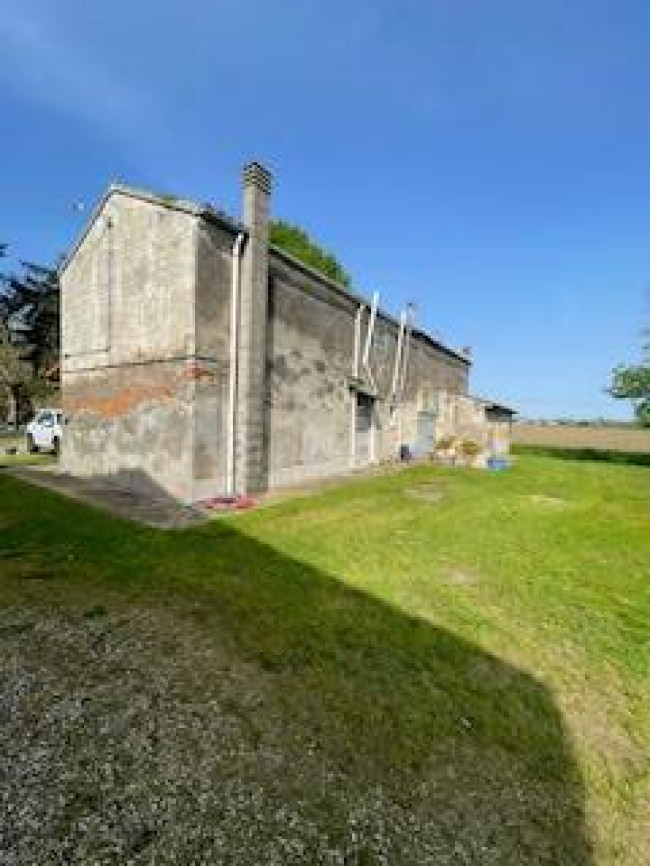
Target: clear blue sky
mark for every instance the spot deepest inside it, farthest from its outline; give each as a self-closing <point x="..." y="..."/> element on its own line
<point x="487" y="159"/>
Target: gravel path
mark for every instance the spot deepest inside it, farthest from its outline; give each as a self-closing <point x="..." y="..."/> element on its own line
<point x="129" y="738"/>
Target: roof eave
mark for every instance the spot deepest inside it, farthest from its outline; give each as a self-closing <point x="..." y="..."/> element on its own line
<point x="349" y="295"/>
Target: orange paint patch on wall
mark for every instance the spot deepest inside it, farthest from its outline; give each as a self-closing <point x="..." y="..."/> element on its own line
<point x="120" y="403"/>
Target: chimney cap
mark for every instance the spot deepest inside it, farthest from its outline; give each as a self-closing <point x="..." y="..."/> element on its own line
<point x="254" y="174"/>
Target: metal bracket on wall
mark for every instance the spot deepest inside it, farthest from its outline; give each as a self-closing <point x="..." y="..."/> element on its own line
<point x="369" y="336"/>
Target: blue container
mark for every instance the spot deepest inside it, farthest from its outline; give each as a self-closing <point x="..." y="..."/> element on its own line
<point x="497" y="463"/>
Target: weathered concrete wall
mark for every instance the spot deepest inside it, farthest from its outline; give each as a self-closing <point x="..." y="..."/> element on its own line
<point x="212" y="321"/>
<point x="132" y="424"/>
<point x="459" y="417"/>
<point x="144" y="339"/>
<point x="430" y="373"/>
<point x="212" y="291"/>
<point x="128" y="291"/>
<point x="308" y="401"/>
<point x="311" y="424"/>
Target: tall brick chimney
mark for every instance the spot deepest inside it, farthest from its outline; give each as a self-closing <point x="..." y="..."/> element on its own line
<point x="251" y="469"/>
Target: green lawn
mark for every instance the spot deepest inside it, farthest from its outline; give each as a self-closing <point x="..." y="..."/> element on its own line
<point x="436" y="666"/>
<point x="23" y="458"/>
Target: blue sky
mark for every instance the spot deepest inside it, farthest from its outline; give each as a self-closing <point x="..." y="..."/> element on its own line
<point x="486" y="159"/>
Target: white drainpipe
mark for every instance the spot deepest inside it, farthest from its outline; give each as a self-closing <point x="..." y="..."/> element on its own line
<point x="234" y="347"/>
<point x="355" y="374"/>
<point x="405" y="357"/>
<point x="357" y="342"/>
<point x="401" y="378"/>
<point x="369" y="336"/>
<point x="398" y="357"/>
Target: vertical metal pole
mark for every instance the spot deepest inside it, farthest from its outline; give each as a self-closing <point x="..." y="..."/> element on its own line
<point x="353" y="394"/>
<point x="369" y="336"/>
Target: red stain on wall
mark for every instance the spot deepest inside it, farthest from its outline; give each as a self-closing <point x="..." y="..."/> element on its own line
<point x="194" y="371"/>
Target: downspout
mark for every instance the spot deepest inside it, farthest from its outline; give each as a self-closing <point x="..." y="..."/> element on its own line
<point x="234" y="352"/>
<point x="408" y="324"/>
<point x="355" y="375"/>
<point x="394" y="407"/>
<point x="357" y="342"/>
<point x="398" y="356"/>
<point x="405" y="359"/>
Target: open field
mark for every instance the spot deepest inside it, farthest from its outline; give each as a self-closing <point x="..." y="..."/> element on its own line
<point x="565" y="436"/>
<point x="438" y="666"/>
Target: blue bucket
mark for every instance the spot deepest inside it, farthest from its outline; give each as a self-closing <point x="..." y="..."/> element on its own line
<point x="497" y="464"/>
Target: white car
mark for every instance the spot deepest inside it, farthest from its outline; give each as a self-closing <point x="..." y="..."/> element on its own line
<point x="45" y="431"/>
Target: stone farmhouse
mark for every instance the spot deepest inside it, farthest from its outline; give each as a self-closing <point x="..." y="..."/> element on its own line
<point x="202" y="360"/>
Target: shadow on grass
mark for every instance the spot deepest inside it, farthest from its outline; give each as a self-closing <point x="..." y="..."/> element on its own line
<point x="473" y="750"/>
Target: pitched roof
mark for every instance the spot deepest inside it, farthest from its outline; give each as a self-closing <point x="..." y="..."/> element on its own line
<point x="205" y="211"/>
<point x="494" y="404"/>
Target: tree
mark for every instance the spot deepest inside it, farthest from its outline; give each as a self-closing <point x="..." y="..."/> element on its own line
<point x="297" y="242"/>
<point x="632" y="382"/>
<point x="29" y="309"/>
<point x="16" y="374"/>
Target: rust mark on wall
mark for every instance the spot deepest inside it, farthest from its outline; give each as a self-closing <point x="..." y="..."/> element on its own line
<point x="195" y="370"/>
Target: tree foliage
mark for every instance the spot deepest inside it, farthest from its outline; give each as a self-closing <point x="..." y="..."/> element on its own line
<point x="16" y="375"/>
<point x="632" y="382"/>
<point x="29" y="333"/>
<point x="14" y="371"/>
<point x="29" y="309"/>
<point x="297" y="242"/>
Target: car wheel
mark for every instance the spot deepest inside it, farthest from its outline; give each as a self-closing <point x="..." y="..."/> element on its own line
<point x="32" y="447"/>
<point x="56" y="445"/>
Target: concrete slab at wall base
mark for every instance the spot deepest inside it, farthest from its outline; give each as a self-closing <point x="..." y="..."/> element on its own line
<point x="140" y="500"/>
<point x="118" y="496"/>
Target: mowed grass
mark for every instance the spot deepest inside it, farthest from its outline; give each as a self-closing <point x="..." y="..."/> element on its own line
<point x="22" y="458"/>
<point x="473" y="646"/>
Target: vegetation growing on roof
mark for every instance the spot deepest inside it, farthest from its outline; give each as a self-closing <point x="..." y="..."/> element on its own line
<point x="295" y="241"/>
